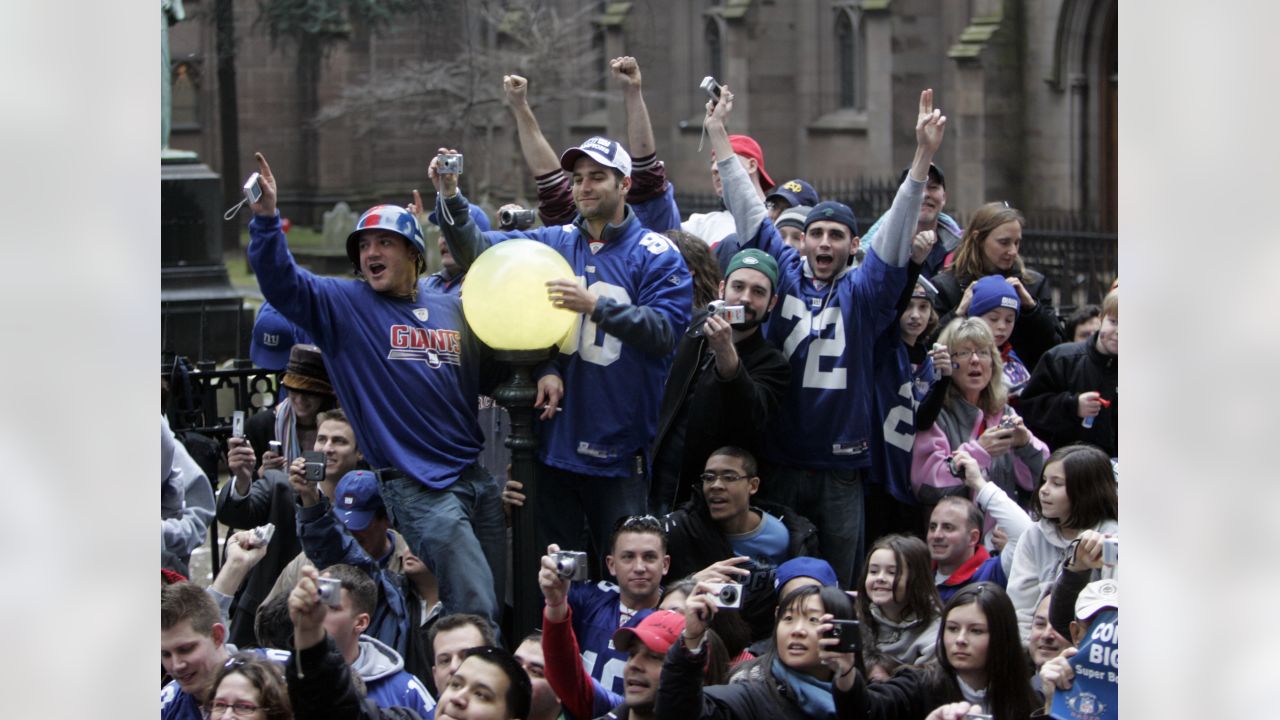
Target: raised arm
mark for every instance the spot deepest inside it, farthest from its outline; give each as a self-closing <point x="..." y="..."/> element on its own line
<point x="465" y="240"/>
<point x="639" y="131"/>
<point x="740" y="194"/>
<point x="893" y="241"/>
<point x="537" y="151"/>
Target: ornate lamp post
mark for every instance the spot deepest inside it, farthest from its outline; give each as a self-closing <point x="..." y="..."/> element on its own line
<point x="504" y="299"/>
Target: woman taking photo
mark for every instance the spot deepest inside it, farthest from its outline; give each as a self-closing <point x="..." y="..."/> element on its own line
<point x="979" y="660"/>
<point x="1077" y="492"/>
<point x="976" y="418"/>
<point x="789" y="681"/>
<point x="990" y="246"/>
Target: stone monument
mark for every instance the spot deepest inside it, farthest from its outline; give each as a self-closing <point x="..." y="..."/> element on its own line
<point x="201" y="315"/>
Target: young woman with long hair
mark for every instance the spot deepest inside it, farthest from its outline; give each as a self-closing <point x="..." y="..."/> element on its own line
<point x="898" y="602"/>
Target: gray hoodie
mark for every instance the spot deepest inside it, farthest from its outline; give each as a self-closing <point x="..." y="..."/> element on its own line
<point x="385" y="679"/>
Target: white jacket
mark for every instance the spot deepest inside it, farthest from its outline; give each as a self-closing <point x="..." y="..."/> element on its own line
<point x="1036" y="563"/>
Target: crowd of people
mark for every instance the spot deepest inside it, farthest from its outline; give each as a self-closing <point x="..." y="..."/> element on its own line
<point x="784" y="469"/>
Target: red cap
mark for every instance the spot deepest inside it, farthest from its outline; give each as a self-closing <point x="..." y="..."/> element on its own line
<point x="746" y="146"/>
<point x="659" y="631"/>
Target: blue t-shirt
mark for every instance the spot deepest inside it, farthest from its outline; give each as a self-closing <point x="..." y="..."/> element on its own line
<point x="767" y="547"/>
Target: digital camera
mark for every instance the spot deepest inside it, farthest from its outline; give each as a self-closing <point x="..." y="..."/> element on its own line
<point x="315" y="466"/>
<point x="264" y="533"/>
<point x="330" y="591"/>
<point x="449" y="164"/>
<point x="516" y="219"/>
<point x="726" y="595"/>
<point x="571" y="565"/>
<point x="732" y="314"/>
<point x="711" y="87"/>
<point x="237" y="424"/>
<point x="252" y="190"/>
<point x="954" y="467"/>
<point x="849" y="634"/>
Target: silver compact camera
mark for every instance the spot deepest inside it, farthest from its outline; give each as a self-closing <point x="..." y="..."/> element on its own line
<point x="711" y="87"/>
<point x="252" y="190"/>
<point x="571" y="565"/>
<point x="263" y="533"/>
<point x="449" y="164"/>
<point x="1110" y="557"/>
<point x="725" y="595"/>
<point x="330" y="591"/>
<point x="732" y="314"/>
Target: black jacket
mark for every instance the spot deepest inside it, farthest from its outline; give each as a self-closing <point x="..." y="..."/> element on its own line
<point x="694" y="542"/>
<point x="324" y="691"/>
<point x="1049" y="401"/>
<point x="721" y="412"/>
<point x="270" y="499"/>
<point x="681" y="695"/>
<point x="1036" y="330"/>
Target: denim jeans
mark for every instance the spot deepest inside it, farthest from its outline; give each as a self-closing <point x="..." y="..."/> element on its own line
<point x="565" y="501"/>
<point x="459" y="532"/>
<point x="832" y="501"/>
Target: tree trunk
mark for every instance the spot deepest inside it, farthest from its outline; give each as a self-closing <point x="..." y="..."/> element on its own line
<point x="228" y="117"/>
<point x="310" y="53"/>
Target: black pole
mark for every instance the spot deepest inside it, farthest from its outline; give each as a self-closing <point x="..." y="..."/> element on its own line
<point x="517" y="394"/>
<point x="228" y="117"/>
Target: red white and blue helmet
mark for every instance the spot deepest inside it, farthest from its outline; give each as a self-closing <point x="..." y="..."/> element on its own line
<point x="388" y="217"/>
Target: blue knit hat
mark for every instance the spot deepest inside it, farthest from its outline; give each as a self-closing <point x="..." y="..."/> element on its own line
<point x="993" y="292"/>
<point x="810" y="567"/>
<point x="833" y="211"/>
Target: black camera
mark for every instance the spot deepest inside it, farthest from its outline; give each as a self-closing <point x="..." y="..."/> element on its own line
<point x="571" y="565"/>
<point x="849" y="635"/>
<point x="516" y="219"/>
<point x="315" y="466"/>
<point x="954" y="467"/>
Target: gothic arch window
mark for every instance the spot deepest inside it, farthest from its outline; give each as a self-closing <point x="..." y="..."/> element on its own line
<point x="713" y="41"/>
<point x="851" y="59"/>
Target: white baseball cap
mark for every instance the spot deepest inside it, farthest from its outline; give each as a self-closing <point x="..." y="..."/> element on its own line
<point x="1097" y="595"/>
<point x="602" y="150"/>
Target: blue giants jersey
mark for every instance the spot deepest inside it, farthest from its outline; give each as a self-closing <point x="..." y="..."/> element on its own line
<point x="596" y="612"/>
<point x="899" y="390"/>
<point x="613" y="362"/>
<point x="827" y="334"/>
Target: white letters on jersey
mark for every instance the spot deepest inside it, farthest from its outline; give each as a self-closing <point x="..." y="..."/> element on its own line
<point x="588" y="340"/>
<point x="900" y="416"/>
<point x="611" y="672"/>
<point x="812" y="326"/>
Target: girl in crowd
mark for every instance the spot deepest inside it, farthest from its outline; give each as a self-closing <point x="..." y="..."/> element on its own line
<point x="975" y="417"/>
<point x="249" y="686"/>
<point x="1077" y="492"/>
<point x="979" y="660"/>
<point x="898" y="606"/>
<point x="997" y="303"/>
<point x="991" y="245"/>
<point x="789" y="680"/>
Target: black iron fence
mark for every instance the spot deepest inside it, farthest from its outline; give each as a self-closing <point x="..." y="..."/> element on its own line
<point x="1079" y="258"/>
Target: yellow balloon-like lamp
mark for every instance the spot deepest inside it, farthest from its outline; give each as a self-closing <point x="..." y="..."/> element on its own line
<point x="504" y="296"/>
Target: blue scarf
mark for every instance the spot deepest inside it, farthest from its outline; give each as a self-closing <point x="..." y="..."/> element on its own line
<point x="812" y="695"/>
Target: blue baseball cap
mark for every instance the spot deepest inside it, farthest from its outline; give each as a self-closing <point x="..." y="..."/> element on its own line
<point x="358" y="498"/>
<point x="273" y="335"/>
<point x="810" y="567"/>
<point x="833" y="211"/>
<point x="795" y="192"/>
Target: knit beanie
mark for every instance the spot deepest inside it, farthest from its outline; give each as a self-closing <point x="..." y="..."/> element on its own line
<point x="993" y="292"/>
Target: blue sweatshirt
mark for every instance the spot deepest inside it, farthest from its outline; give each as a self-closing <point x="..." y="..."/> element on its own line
<point x="407" y="372"/>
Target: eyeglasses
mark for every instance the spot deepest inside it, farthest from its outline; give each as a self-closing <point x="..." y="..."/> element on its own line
<point x="238" y="709"/>
<point x="964" y="355"/>
<point x="710" y="478"/>
<point x="638" y="522"/>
